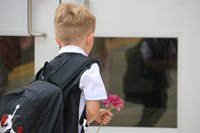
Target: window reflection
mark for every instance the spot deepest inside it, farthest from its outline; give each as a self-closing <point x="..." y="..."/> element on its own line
<point x="143" y="71"/>
<point x="16" y="62"/>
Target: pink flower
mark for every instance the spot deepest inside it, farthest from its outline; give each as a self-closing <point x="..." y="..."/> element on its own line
<point x="114" y="102"/>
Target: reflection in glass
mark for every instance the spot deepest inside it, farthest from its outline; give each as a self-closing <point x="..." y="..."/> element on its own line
<point x="16" y="62"/>
<point x="143" y="71"/>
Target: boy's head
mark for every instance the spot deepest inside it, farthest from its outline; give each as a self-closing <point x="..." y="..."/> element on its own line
<point x="73" y="23"/>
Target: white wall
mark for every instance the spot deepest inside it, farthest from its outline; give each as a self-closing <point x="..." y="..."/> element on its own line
<point x="190" y="65"/>
<point x="152" y="18"/>
<point x="13" y="17"/>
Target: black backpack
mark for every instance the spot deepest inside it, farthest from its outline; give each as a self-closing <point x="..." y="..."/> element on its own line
<point x="38" y="106"/>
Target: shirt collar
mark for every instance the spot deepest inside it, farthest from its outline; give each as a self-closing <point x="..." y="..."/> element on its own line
<point x="72" y="49"/>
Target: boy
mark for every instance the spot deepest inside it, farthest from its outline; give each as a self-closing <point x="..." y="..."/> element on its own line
<point x="74" y="29"/>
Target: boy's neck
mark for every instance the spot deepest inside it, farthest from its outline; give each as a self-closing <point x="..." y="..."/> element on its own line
<point x="72" y="46"/>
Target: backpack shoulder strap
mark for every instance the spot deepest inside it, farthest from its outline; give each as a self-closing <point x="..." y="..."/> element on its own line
<point x="71" y="69"/>
<point x="40" y="73"/>
<point x="64" y="70"/>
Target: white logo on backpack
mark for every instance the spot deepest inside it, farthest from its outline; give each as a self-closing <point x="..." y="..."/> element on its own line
<point x="6" y="124"/>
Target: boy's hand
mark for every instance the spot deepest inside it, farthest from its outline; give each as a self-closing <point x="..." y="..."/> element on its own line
<point x="104" y="116"/>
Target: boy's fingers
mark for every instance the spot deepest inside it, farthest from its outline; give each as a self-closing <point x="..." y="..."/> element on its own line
<point x="106" y="117"/>
<point x="109" y="113"/>
<point x="104" y="122"/>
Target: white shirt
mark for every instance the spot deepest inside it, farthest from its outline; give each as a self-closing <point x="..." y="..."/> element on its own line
<point x="91" y="83"/>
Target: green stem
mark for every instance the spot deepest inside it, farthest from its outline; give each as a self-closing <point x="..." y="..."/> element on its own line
<point x="110" y="108"/>
<point x="99" y="128"/>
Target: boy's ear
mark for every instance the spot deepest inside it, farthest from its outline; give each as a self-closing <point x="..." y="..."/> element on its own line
<point x="58" y="42"/>
<point x="89" y="39"/>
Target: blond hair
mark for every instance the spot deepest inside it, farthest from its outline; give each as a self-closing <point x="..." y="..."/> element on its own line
<point x="72" y="22"/>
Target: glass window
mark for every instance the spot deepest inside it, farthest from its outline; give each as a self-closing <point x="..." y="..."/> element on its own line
<point x="16" y="62"/>
<point x="143" y="72"/>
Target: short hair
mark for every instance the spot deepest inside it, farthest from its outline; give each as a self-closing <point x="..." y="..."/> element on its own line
<point x="72" y="22"/>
